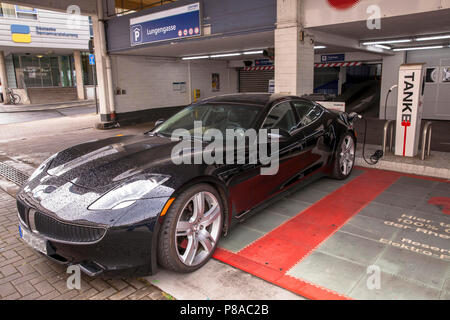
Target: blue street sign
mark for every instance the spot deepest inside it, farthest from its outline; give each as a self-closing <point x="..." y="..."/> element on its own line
<point x="176" y="23"/>
<point x="332" y="57"/>
<point x="91" y="59"/>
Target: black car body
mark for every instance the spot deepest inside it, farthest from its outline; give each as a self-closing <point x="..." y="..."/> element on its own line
<point x="55" y="204"/>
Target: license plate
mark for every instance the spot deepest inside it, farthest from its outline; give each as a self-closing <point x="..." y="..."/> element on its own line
<point x="33" y="240"/>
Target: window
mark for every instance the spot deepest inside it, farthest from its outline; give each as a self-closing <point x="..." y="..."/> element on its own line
<point x="26" y="12"/>
<point x="280" y="117"/>
<point x="212" y="116"/>
<point x="21" y="12"/>
<point x="44" y="71"/>
<point x="123" y="7"/>
<point x="307" y="112"/>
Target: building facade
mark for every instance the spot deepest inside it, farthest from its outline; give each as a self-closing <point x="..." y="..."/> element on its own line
<point x="45" y="53"/>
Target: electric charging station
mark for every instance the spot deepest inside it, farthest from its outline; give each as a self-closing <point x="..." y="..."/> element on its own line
<point x="409" y="109"/>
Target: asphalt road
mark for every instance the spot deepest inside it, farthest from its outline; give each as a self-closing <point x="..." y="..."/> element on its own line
<point x="17" y="117"/>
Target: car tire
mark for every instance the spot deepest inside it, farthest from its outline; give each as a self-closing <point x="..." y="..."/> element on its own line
<point x="344" y="157"/>
<point x="188" y="238"/>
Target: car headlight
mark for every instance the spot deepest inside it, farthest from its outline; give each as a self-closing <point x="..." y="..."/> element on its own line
<point x="128" y="193"/>
<point x="42" y="167"/>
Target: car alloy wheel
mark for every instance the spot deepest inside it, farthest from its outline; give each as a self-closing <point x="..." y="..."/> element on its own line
<point x="198" y="228"/>
<point x="347" y="155"/>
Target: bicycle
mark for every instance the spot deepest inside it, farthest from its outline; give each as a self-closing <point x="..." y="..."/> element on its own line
<point x="14" y="98"/>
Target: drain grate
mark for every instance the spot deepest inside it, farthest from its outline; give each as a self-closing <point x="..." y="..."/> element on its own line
<point x="12" y="174"/>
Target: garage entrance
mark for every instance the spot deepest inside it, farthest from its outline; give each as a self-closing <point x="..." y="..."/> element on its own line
<point x="255" y="79"/>
<point x="377" y="235"/>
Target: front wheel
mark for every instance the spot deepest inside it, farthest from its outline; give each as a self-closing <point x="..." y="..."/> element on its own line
<point x="191" y="229"/>
<point x="344" y="157"/>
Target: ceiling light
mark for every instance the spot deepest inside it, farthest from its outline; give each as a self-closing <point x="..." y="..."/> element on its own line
<point x="419" y="48"/>
<point x="433" y="37"/>
<point x="319" y="47"/>
<point x="371" y="43"/>
<point x="194" y="58"/>
<point x="383" y="46"/>
<point x="254" y="52"/>
<point x="225" y="55"/>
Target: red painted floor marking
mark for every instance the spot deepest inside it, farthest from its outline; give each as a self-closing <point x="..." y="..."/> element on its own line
<point x="271" y="256"/>
<point x="292" y="241"/>
<point x="442" y="202"/>
<point x="279" y="278"/>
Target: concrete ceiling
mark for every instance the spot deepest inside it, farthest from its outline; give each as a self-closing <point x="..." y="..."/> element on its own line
<point x="426" y="23"/>
<point x="206" y="45"/>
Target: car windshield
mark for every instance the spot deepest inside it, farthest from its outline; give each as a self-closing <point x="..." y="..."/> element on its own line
<point x="212" y="116"/>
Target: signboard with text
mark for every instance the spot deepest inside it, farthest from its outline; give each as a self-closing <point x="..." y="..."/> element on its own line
<point x="332" y="57"/>
<point x="409" y="109"/>
<point x="176" y="23"/>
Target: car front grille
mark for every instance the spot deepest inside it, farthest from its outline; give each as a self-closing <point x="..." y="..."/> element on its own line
<point x="57" y="230"/>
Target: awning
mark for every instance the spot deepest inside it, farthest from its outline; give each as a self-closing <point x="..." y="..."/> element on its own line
<point x="260" y="68"/>
<point x="338" y="64"/>
<point x="316" y="65"/>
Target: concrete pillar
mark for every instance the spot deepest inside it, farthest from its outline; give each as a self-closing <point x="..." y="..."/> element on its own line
<point x="342" y="78"/>
<point x="103" y="68"/>
<point x="3" y="78"/>
<point x="294" y="51"/>
<point x="389" y="77"/>
<point x="79" y="74"/>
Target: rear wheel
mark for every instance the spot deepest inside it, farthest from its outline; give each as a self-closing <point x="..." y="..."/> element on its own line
<point x="191" y="229"/>
<point x="344" y="157"/>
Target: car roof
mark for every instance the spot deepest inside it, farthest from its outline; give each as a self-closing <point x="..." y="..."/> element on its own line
<point x="260" y="99"/>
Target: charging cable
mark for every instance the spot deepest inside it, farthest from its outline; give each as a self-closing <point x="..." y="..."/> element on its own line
<point x="377" y="155"/>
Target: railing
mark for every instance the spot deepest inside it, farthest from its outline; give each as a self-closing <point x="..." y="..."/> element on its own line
<point x="426" y="136"/>
<point x="388" y="126"/>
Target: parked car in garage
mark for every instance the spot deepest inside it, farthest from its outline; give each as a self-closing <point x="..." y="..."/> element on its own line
<point x="122" y="205"/>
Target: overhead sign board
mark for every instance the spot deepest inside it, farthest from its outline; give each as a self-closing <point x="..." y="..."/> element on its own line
<point x="332" y="57"/>
<point x="176" y="23"/>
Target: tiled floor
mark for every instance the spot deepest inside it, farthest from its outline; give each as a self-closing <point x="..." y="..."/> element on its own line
<point x="403" y="232"/>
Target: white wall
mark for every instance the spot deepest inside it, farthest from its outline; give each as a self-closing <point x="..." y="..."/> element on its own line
<point x="391" y="65"/>
<point x="149" y="82"/>
<point x="436" y="99"/>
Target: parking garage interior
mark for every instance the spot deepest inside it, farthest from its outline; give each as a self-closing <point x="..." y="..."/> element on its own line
<point x="319" y="242"/>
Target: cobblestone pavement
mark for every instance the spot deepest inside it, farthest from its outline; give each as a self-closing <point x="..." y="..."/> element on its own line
<point x="26" y="274"/>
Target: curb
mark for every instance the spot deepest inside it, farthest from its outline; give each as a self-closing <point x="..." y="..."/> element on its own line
<point x="50" y="109"/>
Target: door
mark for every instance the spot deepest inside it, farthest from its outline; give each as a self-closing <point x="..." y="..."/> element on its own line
<point x="313" y="129"/>
<point x="282" y="117"/>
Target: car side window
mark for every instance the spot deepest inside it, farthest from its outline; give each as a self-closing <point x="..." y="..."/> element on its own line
<point x="307" y="112"/>
<point x="281" y="117"/>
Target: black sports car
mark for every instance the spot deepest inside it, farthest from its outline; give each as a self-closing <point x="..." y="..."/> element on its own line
<point x="122" y="204"/>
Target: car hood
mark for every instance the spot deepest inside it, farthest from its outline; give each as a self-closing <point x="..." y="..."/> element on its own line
<point x="105" y="163"/>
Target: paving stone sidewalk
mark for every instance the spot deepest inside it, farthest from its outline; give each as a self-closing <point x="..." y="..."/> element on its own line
<point x="27" y="275"/>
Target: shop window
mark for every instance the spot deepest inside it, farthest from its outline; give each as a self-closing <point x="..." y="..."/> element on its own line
<point x="44" y="71"/>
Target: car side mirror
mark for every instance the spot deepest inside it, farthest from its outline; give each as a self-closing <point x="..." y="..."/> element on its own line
<point x="282" y="135"/>
<point x="353" y="115"/>
<point x="159" y="121"/>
